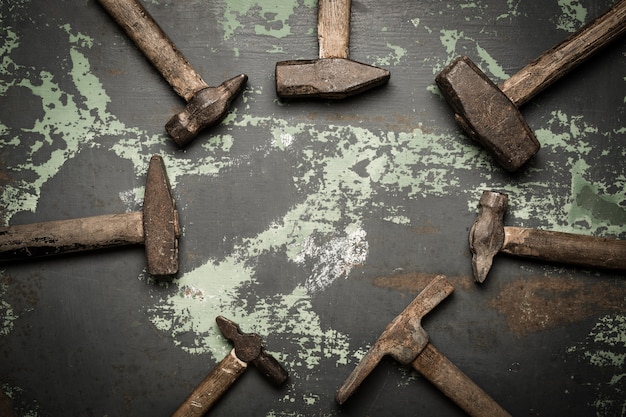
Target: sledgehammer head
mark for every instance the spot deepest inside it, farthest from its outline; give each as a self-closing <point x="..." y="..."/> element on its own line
<point x="486" y="114"/>
<point x="403" y="339"/>
<point x="486" y="235"/>
<point x="326" y="78"/>
<point x="206" y="108"/>
<point x="160" y="221"/>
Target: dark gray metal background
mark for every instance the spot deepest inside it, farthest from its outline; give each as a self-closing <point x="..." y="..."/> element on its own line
<point x="84" y="343"/>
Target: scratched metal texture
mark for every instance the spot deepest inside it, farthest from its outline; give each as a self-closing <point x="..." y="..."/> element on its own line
<point x="311" y="223"/>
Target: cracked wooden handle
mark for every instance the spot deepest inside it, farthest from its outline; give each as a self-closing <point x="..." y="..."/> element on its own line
<point x="333" y="28"/>
<point x="455" y="384"/>
<point x="569" y="248"/>
<point x="212" y="387"/>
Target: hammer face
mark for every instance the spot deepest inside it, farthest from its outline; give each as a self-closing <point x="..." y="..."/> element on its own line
<point x="206" y="108"/>
<point x="486" y="114"/>
<point x="326" y="78"/>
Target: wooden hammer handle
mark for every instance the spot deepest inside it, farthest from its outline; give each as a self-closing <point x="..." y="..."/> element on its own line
<point x="567" y="248"/>
<point x="558" y="61"/>
<point x="75" y="235"/>
<point x="156" y="46"/>
<point x="333" y="28"/>
<point x="212" y="387"/>
<point x="457" y="386"/>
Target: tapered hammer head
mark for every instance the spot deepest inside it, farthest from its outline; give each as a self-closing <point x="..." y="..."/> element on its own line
<point x="326" y="78"/>
<point x="486" y="114"/>
<point x="160" y="221"/>
<point x="486" y="235"/>
<point x="249" y="348"/>
<point x="206" y="108"/>
<point x="403" y="339"/>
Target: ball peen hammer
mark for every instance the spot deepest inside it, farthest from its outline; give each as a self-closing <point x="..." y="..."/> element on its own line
<point x="488" y="236"/>
<point x="489" y="113"/>
<point x="206" y="106"/>
<point x="248" y="348"/>
<point x="405" y="340"/>
<point x="156" y="227"/>
<point x="333" y="75"/>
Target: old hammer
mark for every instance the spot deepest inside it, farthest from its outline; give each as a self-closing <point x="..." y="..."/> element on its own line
<point x="156" y="227"/>
<point x="488" y="236"/>
<point x="489" y="113"/>
<point x="406" y="341"/>
<point x="206" y="106"/>
<point x="333" y="75"/>
<point x="248" y="348"/>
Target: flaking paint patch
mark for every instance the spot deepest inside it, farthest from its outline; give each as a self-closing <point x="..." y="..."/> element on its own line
<point x="573" y="16"/>
<point x="7" y="313"/>
<point x="605" y="347"/>
<point x="274" y="15"/>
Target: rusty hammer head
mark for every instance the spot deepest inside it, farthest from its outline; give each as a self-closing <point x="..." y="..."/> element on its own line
<point x="249" y="348"/>
<point x="160" y="221"/>
<point x="403" y="339"/>
<point x="326" y="78"/>
<point x="206" y="108"/>
<point x="486" y="235"/>
<point x="487" y="114"/>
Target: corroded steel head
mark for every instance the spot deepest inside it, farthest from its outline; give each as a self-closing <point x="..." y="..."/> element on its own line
<point x="403" y="339"/>
<point x="486" y="114"/>
<point x="160" y="221"/>
<point x="486" y="235"/>
<point x="326" y="78"/>
<point x="249" y="348"/>
<point x="206" y="108"/>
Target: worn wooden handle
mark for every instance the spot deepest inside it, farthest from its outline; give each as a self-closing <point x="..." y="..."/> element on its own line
<point x="66" y="236"/>
<point x="567" y="248"/>
<point x="559" y="60"/>
<point x="156" y="46"/>
<point x="455" y="384"/>
<point x="212" y="387"/>
<point x="333" y="28"/>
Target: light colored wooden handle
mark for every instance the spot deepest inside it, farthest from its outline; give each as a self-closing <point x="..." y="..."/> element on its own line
<point x="74" y="235"/>
<point x="569" y="248"/>
<point x="455" y="384"/>
<point x="212" y="387"/>
<point x="333" y="28"/>
<point x="558" y="61"/>
<point x="156" y="46"/>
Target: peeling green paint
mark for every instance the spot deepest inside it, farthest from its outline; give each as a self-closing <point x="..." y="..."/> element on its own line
<point x="573" y="17"/>
<point x="7" y="314"/>
<point x="605" y="347"/>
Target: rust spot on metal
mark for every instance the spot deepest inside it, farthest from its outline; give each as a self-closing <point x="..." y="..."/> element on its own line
<point x="414" y="282"/>
<point x="540" y="303"/>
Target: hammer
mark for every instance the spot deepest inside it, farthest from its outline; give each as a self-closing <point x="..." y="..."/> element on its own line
<point x="156" y="227"/>
<point x="206" y="106"/>
<point x="489" y="113"/>
<point x="488" y="236"/>
<point x="248" y="348"/>
<point x="406" y="341"/>
<point x="333" y="75"/>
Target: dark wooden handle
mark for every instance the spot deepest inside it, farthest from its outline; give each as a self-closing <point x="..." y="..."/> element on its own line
<point x="567" y="248"/>
<point x="559" y="60"/>
<point x="66" y="236"/>
<point x="156" y="46"/>
<point x="212" y="387"/>
<point x="455" y="384"/>
<point x="333" y="28"/>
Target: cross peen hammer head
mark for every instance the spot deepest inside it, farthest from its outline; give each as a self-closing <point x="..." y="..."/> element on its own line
<point x="160" y="221"/>
<point x="403" y="339"/>
<point x="326" y="78"/>
<point x="486" y="235"/>
<point x="206" y="108"/>
<point x="486" y="114"/>
<point x="249" y="348"/>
